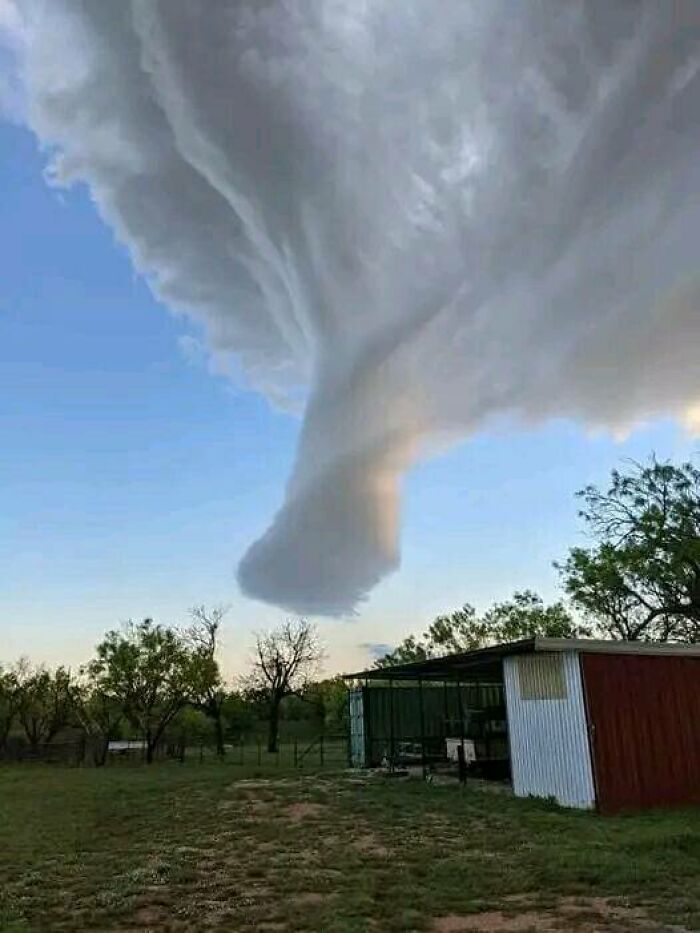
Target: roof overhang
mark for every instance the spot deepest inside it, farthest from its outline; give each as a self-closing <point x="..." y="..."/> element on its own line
<point x="481" y="664"/>
<point x="485" y="664"/>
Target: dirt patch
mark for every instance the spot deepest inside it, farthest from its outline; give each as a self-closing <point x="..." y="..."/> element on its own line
<point x="248" y="809"/>
<point x="599" y="907"/>
<point x="494" y="922"/>
<point x="298" y="812"/>
<point x="150" y="918"/>
<point x="584" y="915"/>
<point x="368" y="844"/>
<point x="260" y="783"/>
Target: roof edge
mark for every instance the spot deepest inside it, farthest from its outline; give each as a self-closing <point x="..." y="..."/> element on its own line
<point x="602" y="646"/>
<point x="526" y="646"/>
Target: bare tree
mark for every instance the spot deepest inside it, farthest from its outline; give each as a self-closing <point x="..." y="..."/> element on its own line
<point x="208" y="689"/>
<point x="285" y="660"/>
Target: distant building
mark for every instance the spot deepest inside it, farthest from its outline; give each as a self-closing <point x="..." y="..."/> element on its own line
<point x="122" y="746"/>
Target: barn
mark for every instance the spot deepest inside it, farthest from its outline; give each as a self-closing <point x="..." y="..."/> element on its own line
<point x="609" y="725"/>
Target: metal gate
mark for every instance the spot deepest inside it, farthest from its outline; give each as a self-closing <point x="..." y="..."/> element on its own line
<point x="644" y="719"/>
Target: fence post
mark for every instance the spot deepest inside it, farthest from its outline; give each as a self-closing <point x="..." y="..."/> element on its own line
<point x="461" y="764"/>
<point x="446" y="704"/>
<point x="422" y="728"/>
<point x="321" y="749"/>
<point x="367" y="727"/>
<point x="392" y="743"/>
<point x="461" y="758"/>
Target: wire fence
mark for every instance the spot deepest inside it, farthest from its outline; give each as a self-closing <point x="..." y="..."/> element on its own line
<point x="311" y="753"/>
<point x="320" y="751"/>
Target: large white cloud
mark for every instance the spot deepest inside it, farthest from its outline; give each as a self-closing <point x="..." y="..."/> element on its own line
<point x="408" y="217"/>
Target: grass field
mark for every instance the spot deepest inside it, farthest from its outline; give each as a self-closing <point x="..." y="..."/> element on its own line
<point x="220" y="847"/>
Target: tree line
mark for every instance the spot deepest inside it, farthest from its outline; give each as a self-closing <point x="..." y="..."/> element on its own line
<point x="155" y="682"/>
<point x="638" y="580"/>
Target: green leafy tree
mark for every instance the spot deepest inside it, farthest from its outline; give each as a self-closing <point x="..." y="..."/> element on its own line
<point x="641" y="578"/>
<point x="190" y="727"/>
<point x="148" y="670"/>
<point x="99" y="714"/>
<point x="333" y="705"/>
<point x="285" y="660"/>
<point x="410" y="649"/>
<point x="208" y="691"/>
<point x="526" y="616"/>
<point x="238" y="715"/>
<point x="461" y="630"/>
<point x="9" y="703"/>
<point x="523" y="616"/>
<point x="45" y="703"/>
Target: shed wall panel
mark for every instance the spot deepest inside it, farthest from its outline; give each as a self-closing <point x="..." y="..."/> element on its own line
<point x="356" y="716"/>
<point x="645" y="719"/>
<point x="393" y="715"/>
<point x="549" y="747"/>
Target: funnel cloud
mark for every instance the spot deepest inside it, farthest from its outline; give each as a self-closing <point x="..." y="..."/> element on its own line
<point x="401" y="219"/>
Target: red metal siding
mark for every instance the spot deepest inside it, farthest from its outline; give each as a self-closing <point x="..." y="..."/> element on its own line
<point x="644" y="721"/>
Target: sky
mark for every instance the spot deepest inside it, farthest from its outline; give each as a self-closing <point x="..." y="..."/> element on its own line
<point x="132" y="478"/>
<point x="330" y="310"/>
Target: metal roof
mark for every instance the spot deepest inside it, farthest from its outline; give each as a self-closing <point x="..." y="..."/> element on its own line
<point x="485" y="663"/>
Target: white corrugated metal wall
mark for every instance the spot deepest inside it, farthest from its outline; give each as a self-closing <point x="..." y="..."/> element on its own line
<point x="356" y="710"/>
<point x="549" y="751"/>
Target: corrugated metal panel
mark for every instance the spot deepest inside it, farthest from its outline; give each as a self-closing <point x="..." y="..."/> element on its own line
<point x="549" y="749"/>
<point x="645" y="718"/>
<point x="356" y="710"/>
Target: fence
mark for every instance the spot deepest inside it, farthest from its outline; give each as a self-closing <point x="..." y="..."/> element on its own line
<point x="321" y="751"/>
<point x="74" y="752"/>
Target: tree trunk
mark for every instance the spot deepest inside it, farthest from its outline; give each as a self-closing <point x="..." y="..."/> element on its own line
<point x="101" y="757"/>
<point x="150" y="746"/>
<point x="272" y="736"/>
<point x="219" y="732"/>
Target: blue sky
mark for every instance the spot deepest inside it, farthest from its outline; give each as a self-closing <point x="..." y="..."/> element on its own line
<point x="132" y="479"/>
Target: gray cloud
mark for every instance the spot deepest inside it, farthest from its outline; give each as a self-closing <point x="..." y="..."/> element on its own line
<point x="406" y="223"/>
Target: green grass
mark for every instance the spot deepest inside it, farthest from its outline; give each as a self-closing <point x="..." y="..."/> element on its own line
<point x="220" y="847"/>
